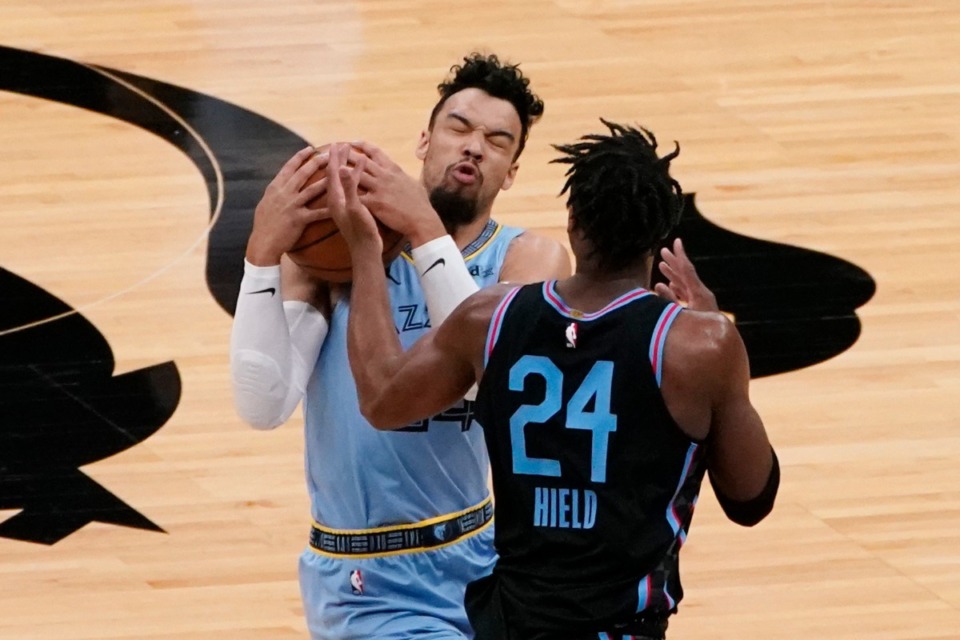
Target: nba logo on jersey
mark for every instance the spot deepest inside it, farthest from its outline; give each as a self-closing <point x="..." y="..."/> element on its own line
<point x="356" y="582"/>
<point x="571" y="334"/>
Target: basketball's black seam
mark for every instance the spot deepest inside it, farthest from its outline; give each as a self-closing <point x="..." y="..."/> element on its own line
<point x="317" y="241"/>
<point x="320" y="271"/>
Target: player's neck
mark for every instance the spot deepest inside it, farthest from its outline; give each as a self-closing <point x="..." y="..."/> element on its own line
<point x="590" y="290"/>
<point x="465" y="234"/>
<point x="590" y="268"/>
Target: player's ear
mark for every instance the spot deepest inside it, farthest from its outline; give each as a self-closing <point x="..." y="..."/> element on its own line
<point x="510" y="177"/>
<point x="423" y="144"/>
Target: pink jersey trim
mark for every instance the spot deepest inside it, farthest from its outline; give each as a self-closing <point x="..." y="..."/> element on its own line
<point x="493" y="333"/>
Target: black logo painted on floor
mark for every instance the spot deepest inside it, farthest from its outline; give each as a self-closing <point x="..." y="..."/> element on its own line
<point x="794" y="307"/>
<point x="61" y="408"/>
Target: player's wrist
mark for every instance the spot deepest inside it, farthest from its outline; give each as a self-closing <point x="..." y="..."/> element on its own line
<point x="444" y="277"/>
<point x="441" y="248"/>
<point x="253" y="270"/>
<point x="370" y="251"/>
<point x="261" y="253"/>
<point x="263" y="259"/>
<point x="425" y="231"/>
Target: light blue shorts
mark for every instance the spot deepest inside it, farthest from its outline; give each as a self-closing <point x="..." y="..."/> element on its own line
<point x="417" y="594"/>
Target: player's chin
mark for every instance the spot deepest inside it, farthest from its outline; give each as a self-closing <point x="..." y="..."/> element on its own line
<point x="456" y="187"/>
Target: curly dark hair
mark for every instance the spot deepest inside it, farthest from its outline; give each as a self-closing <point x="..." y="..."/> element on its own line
<point x="621" y="195"/>
<point x="500" y="80"/>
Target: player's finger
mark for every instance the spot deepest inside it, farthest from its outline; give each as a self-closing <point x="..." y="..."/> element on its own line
<point x="668" y="271"/>
<point x="681" y="253"/>
<point x="290" y="168"/>
<point x="664" y="291"/>
<point x="681" y="269"/>
<point x="354" y="175"/>
<point x="674" y="279"/>
<point x="336" y="198"/>
<point x="354" y="156"/>
<point x="320" y="213"/>
<point x="678" y="248"/>
<point x="299" y="178"/>
<point x="323" y="156"/>
<point x="367" y="181"/>
<point x="372" y="151"/>
<point x="349" y="178"/>
<point x="311" y="191"/>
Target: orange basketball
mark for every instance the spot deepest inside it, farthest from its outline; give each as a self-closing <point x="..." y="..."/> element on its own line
<point x="322" y="251"/>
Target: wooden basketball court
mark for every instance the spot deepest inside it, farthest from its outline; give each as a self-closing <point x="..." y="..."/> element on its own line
<point x="826" y="125"/>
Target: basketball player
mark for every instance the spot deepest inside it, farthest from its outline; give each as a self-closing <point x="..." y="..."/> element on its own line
<point x="602" y="404"/>
<point x="402" y="521"/>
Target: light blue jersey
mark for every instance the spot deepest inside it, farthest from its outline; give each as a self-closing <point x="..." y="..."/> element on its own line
<point x="362" y="480"/>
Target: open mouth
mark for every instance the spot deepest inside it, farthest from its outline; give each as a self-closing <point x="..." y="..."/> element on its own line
<point x="466" y="173"/>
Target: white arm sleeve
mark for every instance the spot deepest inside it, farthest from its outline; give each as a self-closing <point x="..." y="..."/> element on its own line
<point x="273" y="347"/>
<point x="445" y="281"/>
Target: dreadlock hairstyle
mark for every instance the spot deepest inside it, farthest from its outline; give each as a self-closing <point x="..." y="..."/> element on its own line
<point x="621" y="195"/>
<point x="500" y="80"/>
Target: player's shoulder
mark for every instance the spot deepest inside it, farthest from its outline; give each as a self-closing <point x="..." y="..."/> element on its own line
<point x="532" y="257"/>
<point x="702" y="355"/>
<point x="534" y="242"/>
<point x="703" y="335"/>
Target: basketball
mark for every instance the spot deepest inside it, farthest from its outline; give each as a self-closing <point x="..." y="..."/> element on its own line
<point x="323" y="252"/>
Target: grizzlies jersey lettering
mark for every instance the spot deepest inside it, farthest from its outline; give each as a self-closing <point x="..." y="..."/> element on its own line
<point x="602" y="481"/>
<point x="361" y="478"/>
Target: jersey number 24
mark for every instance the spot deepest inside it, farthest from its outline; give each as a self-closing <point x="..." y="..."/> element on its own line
<point x="596" y="385"/>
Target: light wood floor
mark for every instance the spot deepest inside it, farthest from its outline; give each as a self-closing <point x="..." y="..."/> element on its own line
<point x="831" y="125"/>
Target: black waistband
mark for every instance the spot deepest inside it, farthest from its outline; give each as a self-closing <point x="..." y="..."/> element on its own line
<point x="411" y="537"/>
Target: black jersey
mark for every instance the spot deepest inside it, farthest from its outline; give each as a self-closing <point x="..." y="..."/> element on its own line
<point x="594" y="483"/>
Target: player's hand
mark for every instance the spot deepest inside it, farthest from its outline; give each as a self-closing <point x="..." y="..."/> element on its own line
<point x="683" y="284"/>
<point x="397" y="199"/>
<point x="282" y="212"/>
<point x="355" y="222"/>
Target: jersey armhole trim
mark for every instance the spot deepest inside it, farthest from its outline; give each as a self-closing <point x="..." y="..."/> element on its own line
<point x="659" y="338"/>
<point x="496" y="322"/>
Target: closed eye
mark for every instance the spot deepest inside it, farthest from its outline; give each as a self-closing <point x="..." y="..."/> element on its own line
<point x="458" y="123"/>
<point x="500" y="140"/>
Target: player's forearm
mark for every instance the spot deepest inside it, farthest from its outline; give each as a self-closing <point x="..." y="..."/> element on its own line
<point x="750" y="511"/>
<point x="373" y="346"/>
<point x="273" y="346"/>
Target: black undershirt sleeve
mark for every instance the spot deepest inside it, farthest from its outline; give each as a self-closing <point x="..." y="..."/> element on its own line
<point x="750" y="512"/>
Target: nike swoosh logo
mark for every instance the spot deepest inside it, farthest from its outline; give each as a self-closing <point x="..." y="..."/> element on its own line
<point x="440" y="261"/>
<point x="269" y="290"/>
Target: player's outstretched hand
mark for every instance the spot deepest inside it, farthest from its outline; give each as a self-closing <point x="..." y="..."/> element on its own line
<point x="683" y="284"/>
<point x="353" y="219"/>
